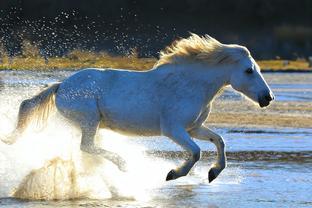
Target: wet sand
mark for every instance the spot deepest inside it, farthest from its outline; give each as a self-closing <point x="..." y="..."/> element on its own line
<point x="278" y="114"/>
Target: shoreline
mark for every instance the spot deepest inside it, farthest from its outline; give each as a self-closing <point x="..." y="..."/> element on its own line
<point x="78" y="69"/>
<point x="286" y="71"/>
<point x="78" y="59"/>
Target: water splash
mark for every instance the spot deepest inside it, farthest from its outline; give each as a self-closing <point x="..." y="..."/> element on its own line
<point x="56" y="180"/>
<point x="49" y="165"/>
<point x="51" y="159"/>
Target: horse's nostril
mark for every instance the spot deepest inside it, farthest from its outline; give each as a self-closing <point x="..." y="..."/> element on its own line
<point x="269" y="97"/>
<point x="272" y="96"/>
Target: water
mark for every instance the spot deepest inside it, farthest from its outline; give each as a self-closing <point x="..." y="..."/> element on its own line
<point x="268" y="166"/>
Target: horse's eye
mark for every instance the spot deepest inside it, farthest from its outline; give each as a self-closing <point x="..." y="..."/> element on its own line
<point x="249" y="71"/>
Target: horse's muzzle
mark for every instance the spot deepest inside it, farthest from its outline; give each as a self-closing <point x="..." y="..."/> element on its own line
<point x="265" y="99"/>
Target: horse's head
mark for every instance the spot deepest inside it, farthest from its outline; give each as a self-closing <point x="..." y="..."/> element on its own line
<point x="247" y="79"/>
<point x="245" y="75"/>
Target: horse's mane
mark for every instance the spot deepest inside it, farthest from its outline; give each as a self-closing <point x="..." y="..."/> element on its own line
<point x="204" y="48"/>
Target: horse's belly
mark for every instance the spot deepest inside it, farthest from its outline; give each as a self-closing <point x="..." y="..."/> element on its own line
<point x="131" y="119"/>
<point x="131" y="130"/>
<point x="131" y="127"/>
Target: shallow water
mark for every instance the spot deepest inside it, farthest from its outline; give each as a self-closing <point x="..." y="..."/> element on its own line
<point x="267" y="166"/>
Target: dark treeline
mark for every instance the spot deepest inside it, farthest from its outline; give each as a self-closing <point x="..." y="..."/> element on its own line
<point x="269" y="28"/>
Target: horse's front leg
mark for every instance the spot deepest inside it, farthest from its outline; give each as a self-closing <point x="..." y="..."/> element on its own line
<point x="204" y="133"/>
<point x="182" y="138"/>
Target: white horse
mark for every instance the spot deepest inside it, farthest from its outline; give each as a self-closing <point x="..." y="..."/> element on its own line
<point x="172" y="99"/>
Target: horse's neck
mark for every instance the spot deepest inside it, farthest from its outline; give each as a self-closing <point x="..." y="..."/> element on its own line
<point x="211" y="80"/>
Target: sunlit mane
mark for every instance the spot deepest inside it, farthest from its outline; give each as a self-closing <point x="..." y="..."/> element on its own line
<point x="204" y="48"/>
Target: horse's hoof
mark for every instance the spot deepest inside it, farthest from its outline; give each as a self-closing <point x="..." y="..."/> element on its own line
<point x="171" y="175"/>
<point x="211" y="175"/>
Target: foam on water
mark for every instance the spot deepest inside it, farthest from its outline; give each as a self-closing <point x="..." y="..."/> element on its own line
<point x="48" y="164"/>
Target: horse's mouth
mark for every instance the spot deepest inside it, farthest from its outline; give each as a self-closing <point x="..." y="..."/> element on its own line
<point x="263" y="103"/>
<point x="265" y="99"/>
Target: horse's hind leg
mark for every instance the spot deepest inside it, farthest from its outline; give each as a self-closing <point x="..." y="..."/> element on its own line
<point x="84" y="113"/>
<point x="87" y="117"/>
<point x="87" y="145"/>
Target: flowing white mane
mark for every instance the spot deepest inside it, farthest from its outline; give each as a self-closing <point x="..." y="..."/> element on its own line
<point x="204" y="48"/>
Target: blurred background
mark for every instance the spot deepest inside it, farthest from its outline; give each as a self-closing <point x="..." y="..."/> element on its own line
<point x="270" y="29"/>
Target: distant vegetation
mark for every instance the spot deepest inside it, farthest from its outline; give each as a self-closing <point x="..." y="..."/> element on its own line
<point x="31" y="59"/>
<point x="268" y="28"/>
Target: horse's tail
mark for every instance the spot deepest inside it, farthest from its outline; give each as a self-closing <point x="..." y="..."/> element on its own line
<point x="35" y="109"/>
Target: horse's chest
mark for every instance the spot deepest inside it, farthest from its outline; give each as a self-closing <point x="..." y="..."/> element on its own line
<point x="191" y="115"/>
<point x="183" y="111"/>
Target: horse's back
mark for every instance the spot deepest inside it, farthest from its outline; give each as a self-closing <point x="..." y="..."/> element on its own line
<point x="130" y="103"/>
<point x="126" y="100"/>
